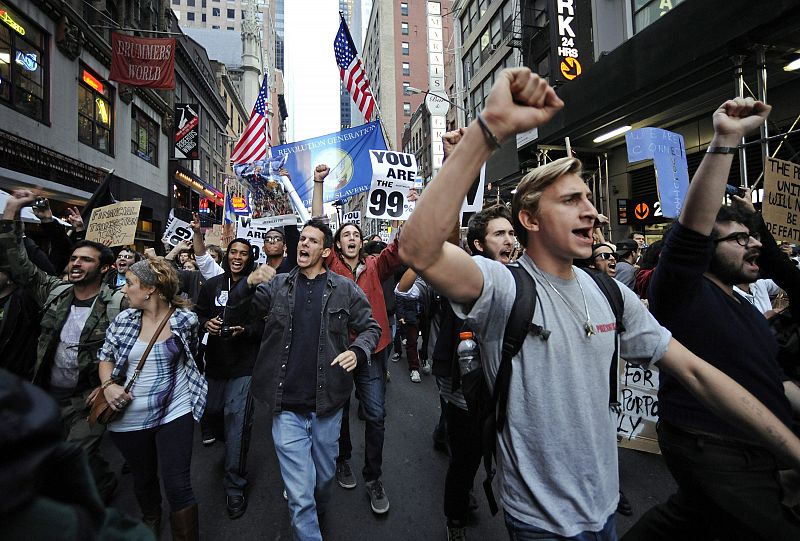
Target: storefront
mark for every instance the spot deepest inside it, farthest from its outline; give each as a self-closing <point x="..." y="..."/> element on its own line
<point x="190" y="192"/>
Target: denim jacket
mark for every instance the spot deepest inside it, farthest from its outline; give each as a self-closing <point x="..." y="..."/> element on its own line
<point x="345" y="308"/>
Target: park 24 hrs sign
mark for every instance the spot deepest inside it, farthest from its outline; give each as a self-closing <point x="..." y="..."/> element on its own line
<point x="393" y="175"/>
<point x="570" y="39"/>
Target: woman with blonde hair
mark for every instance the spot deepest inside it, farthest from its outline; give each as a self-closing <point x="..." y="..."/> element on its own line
<point x="155" y="430"/>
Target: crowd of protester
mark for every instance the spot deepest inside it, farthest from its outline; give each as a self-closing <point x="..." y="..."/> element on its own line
<point x="328" y="311"/>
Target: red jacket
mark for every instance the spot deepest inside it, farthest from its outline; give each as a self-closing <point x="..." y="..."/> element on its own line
<point x="369" y="275"/>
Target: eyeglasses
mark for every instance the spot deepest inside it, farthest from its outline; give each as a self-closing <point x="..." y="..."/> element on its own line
<point x="605" y="255"/>
<point x="128" y="256"/>
<point x="742" y="238"/>
<point x="272" y="240"/>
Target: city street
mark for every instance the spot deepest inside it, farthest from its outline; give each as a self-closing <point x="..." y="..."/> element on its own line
<point x="413" y="476"/>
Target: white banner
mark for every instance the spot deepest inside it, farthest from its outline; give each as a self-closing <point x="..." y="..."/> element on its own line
<point x="177" y="230"/>
<point x="393" y="175"/>
<point x="255" y="229"/>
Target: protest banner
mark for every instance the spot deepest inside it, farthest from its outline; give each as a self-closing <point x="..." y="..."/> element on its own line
<point x="781" y="205"/>
<point x="393" y="175"/>
<point x="255" y="229"/>
<point x="187" y="131"/>
<point x="347" y="154"/>
<point x="115" y="224"/>
<point x="177" y="230"/>
<point x="638" y="415"/>
<point x="668" y="152"/>
<point x="354" y="216"/>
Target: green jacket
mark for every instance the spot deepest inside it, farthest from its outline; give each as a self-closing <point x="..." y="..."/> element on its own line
<point x="55" y="297"/>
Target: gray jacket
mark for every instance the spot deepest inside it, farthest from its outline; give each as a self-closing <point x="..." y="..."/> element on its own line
<point x="346" y="312"/>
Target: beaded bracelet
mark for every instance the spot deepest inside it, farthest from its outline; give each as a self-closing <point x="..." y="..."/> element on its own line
<point x="491" y="139"/>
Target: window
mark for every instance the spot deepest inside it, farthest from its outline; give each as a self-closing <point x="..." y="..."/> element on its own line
<point x="190" y="16"/>
<point x="404" y="47"/>
<point x="404" y="8"/>
<point x="176" y="2"/>
<point x="646" y="12"/>
<point x="404" y="28"/>
<point x="407" y="109"/>
<point x="229" y="28"/>
<point x="190" y="3"/>
<point x="231" y="13"/>
<point x="22" y="80"/>
<point x="406" y="69"/>
<point x="405" y="88"/>
<point x="203" y="17"/>
<point x="202" y="3"/>
<point x="214" y="27"/>
<point x="144" y="136"/>
<point x="215" y="12"/>
<point x="95" y="111"/>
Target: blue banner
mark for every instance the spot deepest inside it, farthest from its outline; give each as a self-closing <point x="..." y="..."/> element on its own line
<point x="668" y="152"/>
<point x="347" y="154"/>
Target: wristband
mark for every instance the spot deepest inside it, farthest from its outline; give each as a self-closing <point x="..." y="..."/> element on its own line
<point x="108" y="383"/>
<point x="722" y="150"/>
<point x="491" y="139"/>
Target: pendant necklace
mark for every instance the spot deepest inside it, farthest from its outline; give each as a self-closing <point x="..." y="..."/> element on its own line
<point x="588" y="327"/>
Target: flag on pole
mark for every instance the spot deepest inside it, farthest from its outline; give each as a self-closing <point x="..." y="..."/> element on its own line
<point x="255" y="142"/>
<point x="228" y="214"/>
<point x="352" y="71"/>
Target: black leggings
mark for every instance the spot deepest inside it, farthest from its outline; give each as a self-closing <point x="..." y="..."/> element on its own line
<point x="168" y="448"/>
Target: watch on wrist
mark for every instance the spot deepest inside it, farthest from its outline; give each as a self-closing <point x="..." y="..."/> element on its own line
<point x="722" y="150"/>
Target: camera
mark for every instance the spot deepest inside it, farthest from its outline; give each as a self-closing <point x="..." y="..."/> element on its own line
<point x="734" y="190"/>
<point x="226" y="331"/>
<point x="41" y="203"/>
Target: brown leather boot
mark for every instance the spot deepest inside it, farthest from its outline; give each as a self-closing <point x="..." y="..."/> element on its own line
<point x="184" y="524"/>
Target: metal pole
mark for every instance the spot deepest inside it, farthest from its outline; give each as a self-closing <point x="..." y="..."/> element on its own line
<point x="608" y="196"/>
<point x="761" y="74"/>
<point x="738" y="60"/>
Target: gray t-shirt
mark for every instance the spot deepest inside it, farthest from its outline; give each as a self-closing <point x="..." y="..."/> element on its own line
<point x="557" y="457"/>
<point x="626" y="274"/>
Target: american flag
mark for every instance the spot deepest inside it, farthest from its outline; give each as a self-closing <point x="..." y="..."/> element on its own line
<point x="352" y="71"/>
<point x="256" y="140"/>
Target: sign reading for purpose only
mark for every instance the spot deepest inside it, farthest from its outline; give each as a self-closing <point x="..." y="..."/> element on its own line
<point x="393" y="175"/>
<point x="781" y="206"/>
<point x="637" y="418"/>
<point x="114" y="225"/>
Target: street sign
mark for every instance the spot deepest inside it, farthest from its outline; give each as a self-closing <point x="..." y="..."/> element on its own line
<point x="645" y="210"/>
<point x="437" y="103"/>
<point x="622" y="211"/>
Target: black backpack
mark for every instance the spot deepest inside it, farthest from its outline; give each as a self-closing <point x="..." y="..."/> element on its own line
<point x="490" y="408"/>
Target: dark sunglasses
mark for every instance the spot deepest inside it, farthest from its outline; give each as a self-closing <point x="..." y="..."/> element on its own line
<point x="605" y="255"/>
<point x="742" y="238"/>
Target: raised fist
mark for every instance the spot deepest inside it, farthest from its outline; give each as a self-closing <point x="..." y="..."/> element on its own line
<point x="321" y="172"/>
<point x="451" y="139"/>
<point x="261" y="275"/>
<point x="740" y="116"/>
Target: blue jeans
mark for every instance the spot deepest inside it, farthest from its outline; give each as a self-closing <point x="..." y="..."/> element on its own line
<point x="370" y="379"/>
<point x="306" y="446"/>
<point x="232" y="397"/>
<point x="519" y="531"/>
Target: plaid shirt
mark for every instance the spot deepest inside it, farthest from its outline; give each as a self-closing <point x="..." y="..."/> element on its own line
<point x="123" y="332"/>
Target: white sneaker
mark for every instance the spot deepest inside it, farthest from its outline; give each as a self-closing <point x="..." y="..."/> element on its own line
<point x="415" y="376"/>
<point x="426" y="368"/>
<point x="395" y="357"/>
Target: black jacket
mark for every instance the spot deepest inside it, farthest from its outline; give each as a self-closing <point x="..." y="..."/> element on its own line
<point x="231" y="357"/>
<point x="344" y="307"/>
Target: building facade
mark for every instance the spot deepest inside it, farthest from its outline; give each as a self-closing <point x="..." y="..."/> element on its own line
<point x="64" y="125"/>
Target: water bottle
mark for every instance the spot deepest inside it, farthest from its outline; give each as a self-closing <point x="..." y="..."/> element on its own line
<point x="469" y="357"/>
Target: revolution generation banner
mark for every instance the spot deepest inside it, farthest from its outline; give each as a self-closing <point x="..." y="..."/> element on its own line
<point x="347" y="154"/>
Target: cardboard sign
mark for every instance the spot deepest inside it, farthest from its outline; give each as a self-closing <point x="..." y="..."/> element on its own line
<point x="177" y="230"/>
<point x="668" y="152"/>
<point x="114" y="225"/>
<point x="636" y="421"/>
<point x="255" y="229"/>
<point x="393" y="175"/>
<point x="214" y="235"/>
<point x="781" y="205"/>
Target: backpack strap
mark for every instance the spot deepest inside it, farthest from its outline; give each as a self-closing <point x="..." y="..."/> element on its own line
<point x="608" y="286"/>
<point x="519" y="325"/>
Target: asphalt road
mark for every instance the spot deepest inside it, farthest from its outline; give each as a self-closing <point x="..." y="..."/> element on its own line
<point x="413" y="477"/>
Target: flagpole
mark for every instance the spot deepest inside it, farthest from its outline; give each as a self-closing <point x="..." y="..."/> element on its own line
<point x="377" y="105"/>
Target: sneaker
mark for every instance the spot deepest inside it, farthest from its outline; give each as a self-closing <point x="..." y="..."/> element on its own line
<point x="624" y="506"/>
<point x="456" y="533"/>
<point x="426" y="367"/>
<point x="377" y="497"/>
<point x="237" y="505"/>
<point x="415" y="376"/>
<point x="344" y="475"/>
<point x="405" y="341"/>
<point x="395" y="357"/>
